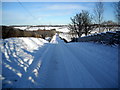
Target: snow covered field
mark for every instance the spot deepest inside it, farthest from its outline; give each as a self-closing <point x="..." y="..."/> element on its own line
<point x="61" y="29"/>
<point x="35" y="63"/>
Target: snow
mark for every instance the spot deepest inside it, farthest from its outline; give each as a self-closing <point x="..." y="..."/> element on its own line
<point x="58" y="64"/>
<point x="48" y="38"/>
<point x="66" y="36"/>
<point x="17" y="57"/>
<point x="22" y="28"/>
<point x="54" y="39"/>
<point x="33" y="43"/>
<point x="61" y="29"/>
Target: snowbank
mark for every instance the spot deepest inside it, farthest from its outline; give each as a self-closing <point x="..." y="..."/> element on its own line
<point x="17" y="56"/>
<point x="33" y="43"/>
<point x="54" y="39"/>
<point x="65" y="36"/>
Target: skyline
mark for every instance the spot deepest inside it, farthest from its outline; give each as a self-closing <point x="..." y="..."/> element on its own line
<point x="48" y="13"/>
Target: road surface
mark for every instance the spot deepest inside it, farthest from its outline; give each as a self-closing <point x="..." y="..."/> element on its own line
<point x="72" y="65"/>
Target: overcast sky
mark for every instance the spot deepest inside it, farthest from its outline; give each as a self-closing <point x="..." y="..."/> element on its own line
<point x="36" y="13"/>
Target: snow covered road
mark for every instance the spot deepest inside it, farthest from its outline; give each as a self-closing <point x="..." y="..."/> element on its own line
<point x="75" y="65"/>
<point x="72" y="65"/>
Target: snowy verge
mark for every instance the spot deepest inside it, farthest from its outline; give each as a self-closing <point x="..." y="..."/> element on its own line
<point x="66" y="36"/>
<point x="17" y="56"/>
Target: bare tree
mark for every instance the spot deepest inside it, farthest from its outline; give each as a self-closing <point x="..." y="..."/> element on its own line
<point x="117" y="11"/>
<point x="81" y="23"/>
<point x="73" y="26"/>
<point x="98" y="13"/>
<point x="87" y="21"/>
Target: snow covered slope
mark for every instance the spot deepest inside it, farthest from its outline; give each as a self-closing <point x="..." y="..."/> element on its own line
<point x="17" y="56"/>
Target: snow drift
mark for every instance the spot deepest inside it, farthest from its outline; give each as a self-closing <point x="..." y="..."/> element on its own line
<point x="17" y="56"/>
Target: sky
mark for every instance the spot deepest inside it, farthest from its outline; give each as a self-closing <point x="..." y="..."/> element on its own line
<point x="48" y="13"/>
<point x="60" y="0"/>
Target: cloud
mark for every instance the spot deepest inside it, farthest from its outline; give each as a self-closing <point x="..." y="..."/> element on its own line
<point x="56" y="9"/>
<point x="57" y="6"/>
<point x="55" y="14"/>
<point x="65" y="7"/>
<point x="41" y="11"/>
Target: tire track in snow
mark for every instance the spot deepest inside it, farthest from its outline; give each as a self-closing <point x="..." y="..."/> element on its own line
<point x="44" y="70"/>
<point x="102" y="77"/>
<point x="25" y="77"/>
<point x="57" y="77"/>
<point x="53" y="73"/>
<point x="77" y="73"/>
